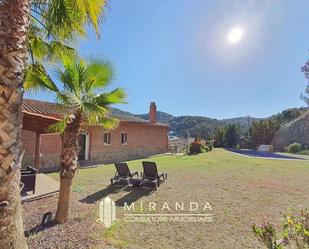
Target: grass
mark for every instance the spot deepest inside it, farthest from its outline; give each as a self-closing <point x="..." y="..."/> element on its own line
<point x="302" y="152"/>
<point x="241" y="191"/>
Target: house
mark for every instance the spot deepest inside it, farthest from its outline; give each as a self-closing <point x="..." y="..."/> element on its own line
<point x="133" y="138"/>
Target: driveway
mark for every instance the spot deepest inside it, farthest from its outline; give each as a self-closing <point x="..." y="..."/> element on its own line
<point x="262" y="154"/>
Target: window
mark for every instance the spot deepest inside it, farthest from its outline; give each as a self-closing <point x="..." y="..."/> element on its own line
<point x="107" y="138"/>
<point x="124" y="138"/>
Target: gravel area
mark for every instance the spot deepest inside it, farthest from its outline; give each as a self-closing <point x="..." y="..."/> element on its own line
<point x="77" y="233"/>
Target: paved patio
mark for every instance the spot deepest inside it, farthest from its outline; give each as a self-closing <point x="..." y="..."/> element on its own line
<point x="44" y="186"/>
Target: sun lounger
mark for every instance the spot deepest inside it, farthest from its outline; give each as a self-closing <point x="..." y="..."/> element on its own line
<point x="151" y="175"/>
<point x="28" y="179"/>
<point x="123" y="174"/>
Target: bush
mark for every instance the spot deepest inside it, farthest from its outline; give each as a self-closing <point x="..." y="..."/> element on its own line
<point x="209" y="145"/>
<point x="266" y="234"/>
<point x="199" y="146"/>
<point x="295" y="148"/>
<point x="305" y="152"/>
<point x="196" y="147"/>
<point x="294" y="233"/>
<point x="206" y="148"/>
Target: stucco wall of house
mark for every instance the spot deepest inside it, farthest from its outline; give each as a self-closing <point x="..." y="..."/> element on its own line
<point x="28" y="138"/>
<point x="50" y="149"/>
<point x="143" y="140"/>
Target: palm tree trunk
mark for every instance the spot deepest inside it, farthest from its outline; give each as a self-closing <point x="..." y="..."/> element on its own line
<point x="68" y="167"/>
<point x="14" y="22"/>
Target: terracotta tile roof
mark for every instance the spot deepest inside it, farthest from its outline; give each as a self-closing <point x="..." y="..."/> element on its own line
<point x="41" y="107"/>
<point x="49" y="109"/>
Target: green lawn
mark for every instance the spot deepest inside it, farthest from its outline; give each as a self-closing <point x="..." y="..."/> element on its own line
<point x="241" y="191"/>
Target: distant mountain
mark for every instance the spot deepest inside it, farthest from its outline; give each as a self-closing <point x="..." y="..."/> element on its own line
<point x="289" y="115"/>
<point x="198" y="124"/>
<point x="243" y="122"/>
<point x="162" y="117"/>
<point x="127" y="116"/>
<point x="205" y="126"/>
<point x="193" y="125"/>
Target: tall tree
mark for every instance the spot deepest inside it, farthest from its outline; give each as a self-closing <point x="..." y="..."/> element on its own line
<point x="219" y="136"/>
<point x="14" y="22"/>
<point x="262" y="132"/>
<point x="81" y="99"/>
<point x="57" y="20"/>
<point x="305" y="70"/>
<point x="231" y="137"/>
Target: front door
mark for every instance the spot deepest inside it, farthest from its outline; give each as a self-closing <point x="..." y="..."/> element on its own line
<point x="82" y="147"/>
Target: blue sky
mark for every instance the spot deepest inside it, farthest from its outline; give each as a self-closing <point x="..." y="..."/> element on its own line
<point x="175" y="52"/>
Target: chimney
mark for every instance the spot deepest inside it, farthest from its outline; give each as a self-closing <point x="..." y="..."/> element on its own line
<point x="153" y="113"/>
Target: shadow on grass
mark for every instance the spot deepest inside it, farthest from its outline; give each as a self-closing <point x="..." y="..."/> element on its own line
<point x="102" y="194"/>
<point x="133" y="194"/>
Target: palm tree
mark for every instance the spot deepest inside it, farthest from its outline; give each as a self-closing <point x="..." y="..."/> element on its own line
<point x="13" y="35"/>
<point x="82" y="103"/>
<point x="58" y="22"/>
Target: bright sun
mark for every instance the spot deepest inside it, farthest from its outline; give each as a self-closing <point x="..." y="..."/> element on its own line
<point x="235" y="35"/>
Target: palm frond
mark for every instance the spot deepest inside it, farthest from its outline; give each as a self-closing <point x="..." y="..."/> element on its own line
<point x="81" y="69"/>
<point x="44" y="50"/>
<point x="68" y="75"/>
<point x="100" y="73"/>
<point x="60" y="126"/>
<point x="64" y="19"/>
<point x="94" y="11"/>
<point x="116" y="96"/>
<point x="69" y="100"/>
<point x="92" y="108"/>
<point x="53" y="22"/>
<point x="106" y="122"/>
<point x="36" y="78"/>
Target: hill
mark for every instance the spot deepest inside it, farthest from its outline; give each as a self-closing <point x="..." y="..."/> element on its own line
<point x="294" y="131"/>
<point x="122" y="115"/>
<point x="205" y="126"/>
<point x="194" y="125"/>
<point x="163" y="117"/>
<point x="289" y="115"/>
<point x="198" y="124"/>
<point x="243" y="122"/>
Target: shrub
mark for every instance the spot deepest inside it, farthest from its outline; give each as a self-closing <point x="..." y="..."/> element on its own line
<point x="296" y="229"/>
<point x="199" y="146"/>
<point x="295" y="148"/>
<point x="209" y="145"/>
<point x="266" y="234"/>
<point x="206" y="148"/>
<point x="295" y="232"/>
<point x="196" y="147"/>
<point x="305" y="152"/>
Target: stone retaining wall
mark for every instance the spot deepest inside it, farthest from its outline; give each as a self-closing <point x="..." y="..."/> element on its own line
<point x="124" y="154"/>
<point x="50" y="161"/>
